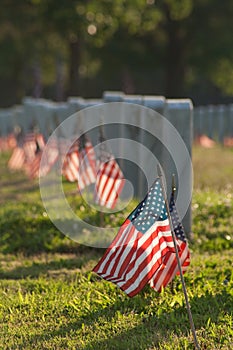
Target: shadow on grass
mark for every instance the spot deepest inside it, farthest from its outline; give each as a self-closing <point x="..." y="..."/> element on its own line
<point x="80" y="257"/>
<point x="150" y="332"/>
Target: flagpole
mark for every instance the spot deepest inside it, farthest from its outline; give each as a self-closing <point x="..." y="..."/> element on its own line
<point x="101" y="138"/>
<point x="178" y="259"/>
<point x="173" y="193"/>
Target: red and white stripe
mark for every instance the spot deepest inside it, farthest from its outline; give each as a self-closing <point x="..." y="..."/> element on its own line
<point x="170" y="269"/>
<point x="7" y="142"/>
<point x="33" y="169"/>
<point x="49" y="157"/>
<point x="17" y="159"/>
<point x="133" y="257"/>
<point x="29" y="146"/>
<point x="71" y="164"/>
<point x="32" y="165"/>
<point x="109" y="183"/>
<point x="87" y="166"/>
<point x="40" y="141"/>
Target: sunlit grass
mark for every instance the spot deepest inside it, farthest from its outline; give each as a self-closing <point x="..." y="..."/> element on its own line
<point x="50" y="299"/>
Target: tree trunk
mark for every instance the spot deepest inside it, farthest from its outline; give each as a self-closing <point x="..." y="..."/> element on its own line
<point x="127" y="81"/>
<point x="37" y="88"/>
<point x="59" y="80"/>
<point x="175" y="59"/>
<point x="75" y="53"/>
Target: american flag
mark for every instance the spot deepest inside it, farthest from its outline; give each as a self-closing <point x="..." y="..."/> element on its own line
<point x="17" y="159"/>
<point x="33" y="167"/>
<point x="30" y="146"/>
<point x="40" y="141"/>
<point x="49" y="157"/>
<point x="87" y="163"/>
<point x="32" y="170"/>
<point x="141" y="245"/>
<point x="9" y="142"/>
<point x="71" y="163"/>
<point x="110" y="179"/>
<point x="167" y="272"/>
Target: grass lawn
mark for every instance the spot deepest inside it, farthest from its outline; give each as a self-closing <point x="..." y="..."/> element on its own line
<point x="49" y="299"/>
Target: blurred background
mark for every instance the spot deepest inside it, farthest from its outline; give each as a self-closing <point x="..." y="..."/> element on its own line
<point x="176" y="48"/>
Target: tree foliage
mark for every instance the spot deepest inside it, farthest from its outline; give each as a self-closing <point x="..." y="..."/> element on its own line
<point x="171" y="47"/>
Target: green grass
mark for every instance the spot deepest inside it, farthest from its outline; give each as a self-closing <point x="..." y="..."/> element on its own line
<point x="49" y="299"/>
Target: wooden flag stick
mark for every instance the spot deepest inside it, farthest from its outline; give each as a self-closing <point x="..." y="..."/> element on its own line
<point x="173" y="193"/>
<point x="178" y="261"/>
<point x="101" y="139"/>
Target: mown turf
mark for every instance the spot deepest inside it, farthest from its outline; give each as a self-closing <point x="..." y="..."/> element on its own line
<point x="49" y="299"/>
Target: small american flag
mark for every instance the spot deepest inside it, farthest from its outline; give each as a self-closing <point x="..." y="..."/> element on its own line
<point x="17" y="159"/>
<point x="49" y="157"/>
<point x="30" y="146"/>
<point x="167" y="272"/>
<point x="33" y="167"/>
<point x="141" y="245"/>
<point x="71" y="164"/>
<point x="87" y="163"/>
<point x="11" y="141"/>
<point x="110" y="179"/>
<point x="8" y="142"/>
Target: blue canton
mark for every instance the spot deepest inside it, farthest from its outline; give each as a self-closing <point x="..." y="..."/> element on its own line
<point x="150" y="210"/>
<point x="177" y="226"/>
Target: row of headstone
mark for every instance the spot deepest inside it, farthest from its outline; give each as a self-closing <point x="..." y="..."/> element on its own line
<point x="216" y="122"/>
<point x="164" y="134"/>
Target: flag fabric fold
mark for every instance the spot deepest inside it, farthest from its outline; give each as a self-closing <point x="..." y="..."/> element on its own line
<point x="109" y="180"/>
<point x="71" y="164"/>
<point x="17" y="159"/>
<point x="49" y="156"/>
<point x="166" y="273"/>
<point x="141" y="245"/>
<point x="32" y="168"/>
<point x="87" y="163"/>
<point x="30" y="146"/>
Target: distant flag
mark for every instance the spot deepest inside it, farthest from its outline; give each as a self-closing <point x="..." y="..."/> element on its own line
<point x="71" y="163"/>
<point x="33" y="167"/>
<point x="30" y="146"/>
<point x="17" y="159"/>
<point x="49" y="157"/>
<point x="11" y="141"/>
<point x="87" y="163"/>
<point x="169" y="270"/>
<point x="40" y="141"/>
<point x="141" y="245"/>
<point x="205" y="141"/>
<point x="228" y="141"/>
<point x="62" y="147"/>
<point x="110" y="179"/>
